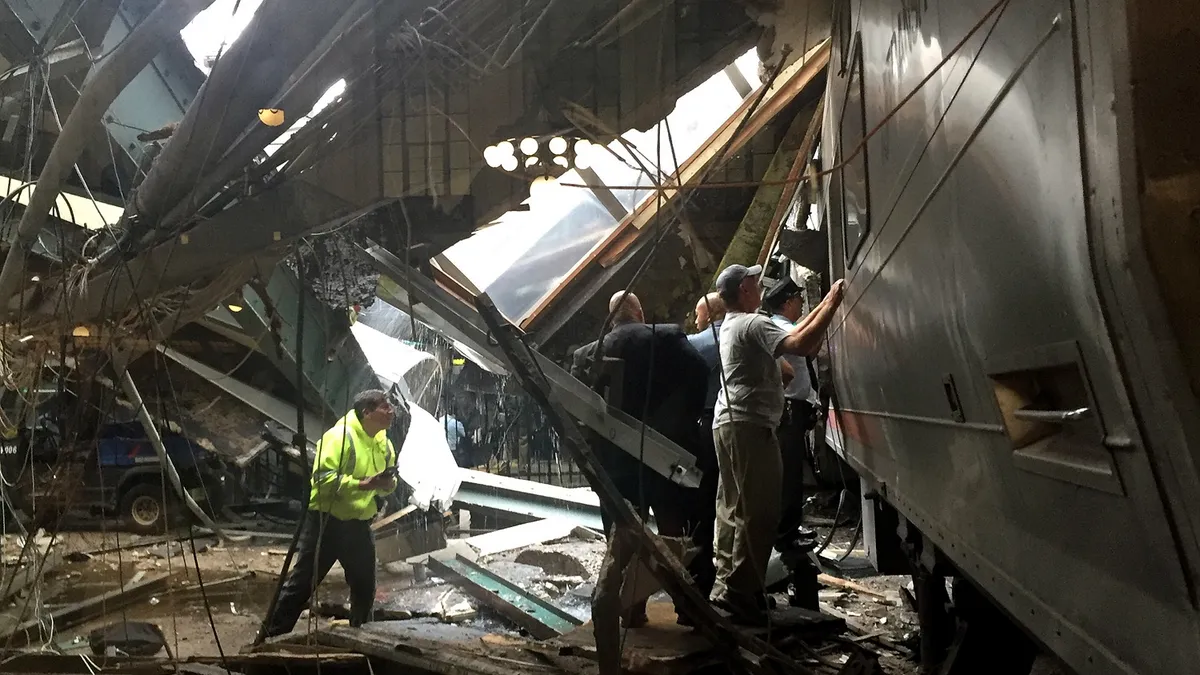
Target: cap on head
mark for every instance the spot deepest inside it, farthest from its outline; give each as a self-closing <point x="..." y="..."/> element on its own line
<point x="779" y="293"/>
<point x="729" y="281"/>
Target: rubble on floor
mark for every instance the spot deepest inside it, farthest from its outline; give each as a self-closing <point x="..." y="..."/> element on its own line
<point x="427" y="617"/>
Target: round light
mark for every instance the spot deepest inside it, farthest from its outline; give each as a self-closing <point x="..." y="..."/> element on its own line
<point x="583" y="146"/>
<point x="529" y="146"/>
<point x="234" y="308"/>
<point x="583" y="161"/>
<point x="35" y="278"/>
<point x="493" y="156"/>
<point x="531" y="161"/>
<point x="271" y="117"/>
<point x="509" y="163"/>
<point x="506" y="149"/>
<point x="81" y="331"/>
<point x="558" y="145"/>
<point x="562" y="161"/>
<point x="540" y="185"/>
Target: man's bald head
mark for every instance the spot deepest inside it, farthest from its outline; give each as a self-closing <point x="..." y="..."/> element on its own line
<point x="625" y="308"/>
<point x="709" y="309"/>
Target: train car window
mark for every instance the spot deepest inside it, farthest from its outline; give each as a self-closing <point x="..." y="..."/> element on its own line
<point x="856" y="206"/>
<point x="841" y="33"/>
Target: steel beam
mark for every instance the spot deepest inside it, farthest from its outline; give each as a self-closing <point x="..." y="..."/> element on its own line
<point x="513" y="496"/>
<point x="655" y="450"/>
<point x="158" y="95"/>
<point x="335" y="368"/>
<point x="542" y="619"/>
<point x="65" y="60"/>
<point x="281" y="411"/>
<point x="246" y="228"/>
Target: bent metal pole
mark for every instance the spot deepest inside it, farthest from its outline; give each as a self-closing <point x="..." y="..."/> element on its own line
<point x="103" y="85"/>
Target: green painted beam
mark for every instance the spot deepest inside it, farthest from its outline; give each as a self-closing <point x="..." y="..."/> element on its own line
<point x="335" y="367"/>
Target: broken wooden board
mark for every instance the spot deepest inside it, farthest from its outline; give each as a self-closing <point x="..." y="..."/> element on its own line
<point x="87" y="610"/>
<point x="664" y="647"/>
<point x="428" y="656"/>
<point x="414" y="534"/>
<point x="520" y="536"/>
<point x="837" y="582"/>
<point x="661" y="647"/>
<point x="293" y="661"/>
<point x="388" y="520"/>
<point x="82" y="556"/>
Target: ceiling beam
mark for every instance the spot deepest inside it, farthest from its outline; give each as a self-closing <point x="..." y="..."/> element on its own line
<point x="98" y="94"/>
<point x="255" y="226"/>
<point x="729" y="138"/>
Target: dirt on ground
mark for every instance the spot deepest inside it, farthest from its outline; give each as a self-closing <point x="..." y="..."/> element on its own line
<point x="241" y="577"/>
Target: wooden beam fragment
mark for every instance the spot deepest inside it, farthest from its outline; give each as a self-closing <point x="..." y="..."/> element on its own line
<point x="760" y="216"/>
<point x="93" y="608"/>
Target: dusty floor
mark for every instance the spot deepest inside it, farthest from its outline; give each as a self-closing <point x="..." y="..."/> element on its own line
<point x="245" y="577"/>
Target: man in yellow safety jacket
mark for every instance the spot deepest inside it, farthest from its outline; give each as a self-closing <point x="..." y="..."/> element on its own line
<point x="355" y="462"/>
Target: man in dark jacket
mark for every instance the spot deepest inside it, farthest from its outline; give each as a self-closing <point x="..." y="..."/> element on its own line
<point x="662" y="380"/>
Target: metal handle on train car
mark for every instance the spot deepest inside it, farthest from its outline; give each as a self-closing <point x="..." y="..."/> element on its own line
<point x="1053" y="416"/>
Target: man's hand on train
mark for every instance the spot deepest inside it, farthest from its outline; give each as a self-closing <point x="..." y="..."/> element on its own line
<point x="837" y="290"/>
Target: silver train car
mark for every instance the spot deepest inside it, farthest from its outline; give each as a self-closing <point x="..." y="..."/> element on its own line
<point x="1017" y="359"/>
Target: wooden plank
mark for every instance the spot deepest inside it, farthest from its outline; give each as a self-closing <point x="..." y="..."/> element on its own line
<point x="789" y="85"/>
<point x="803" y="156"/>
<point x="388" y="520"/>
<point x="425" y="656"/>
<point x="80" y="556"/>
<point x="92" y="608"/>
<point x="848" y="585"/>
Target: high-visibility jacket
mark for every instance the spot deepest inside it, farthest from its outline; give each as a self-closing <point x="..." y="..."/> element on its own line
<point x="345" y="456"/>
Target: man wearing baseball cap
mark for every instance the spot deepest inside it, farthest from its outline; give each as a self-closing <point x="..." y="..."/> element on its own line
<point x="750" y="405"/>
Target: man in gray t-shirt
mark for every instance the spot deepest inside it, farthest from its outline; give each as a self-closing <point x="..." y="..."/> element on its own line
<point x="749" y="407"/>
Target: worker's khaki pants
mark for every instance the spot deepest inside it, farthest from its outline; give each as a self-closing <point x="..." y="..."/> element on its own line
<point x="748" y="505"/>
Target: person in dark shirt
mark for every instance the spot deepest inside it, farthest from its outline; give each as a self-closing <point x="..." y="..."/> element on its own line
<point x="662" y="381"/>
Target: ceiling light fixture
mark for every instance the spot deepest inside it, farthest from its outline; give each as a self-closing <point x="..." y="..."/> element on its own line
<point x="537" y="158"/>
<point x="272" y="117"/>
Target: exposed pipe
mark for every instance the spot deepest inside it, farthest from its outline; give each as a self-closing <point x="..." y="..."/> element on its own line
<point x="278" y="40"/>
<point x="135" y="397"/>
<point x="101" y="89"/>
